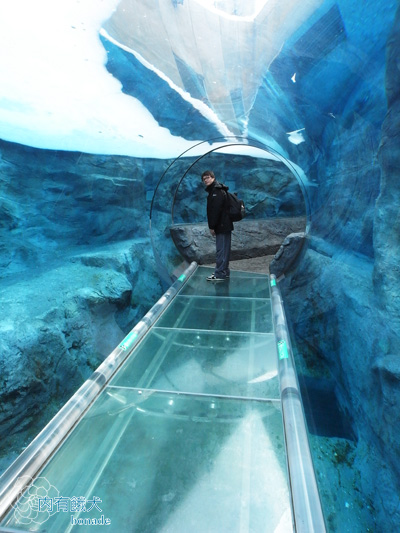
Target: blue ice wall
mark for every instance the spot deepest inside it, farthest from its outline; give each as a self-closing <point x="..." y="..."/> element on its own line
<point x="316" y="81"/>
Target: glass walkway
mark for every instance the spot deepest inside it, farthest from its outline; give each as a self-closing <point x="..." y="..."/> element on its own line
<point x="187" y="436"/>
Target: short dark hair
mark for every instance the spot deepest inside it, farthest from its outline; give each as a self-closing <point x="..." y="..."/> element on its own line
<point x="208" y="173"/>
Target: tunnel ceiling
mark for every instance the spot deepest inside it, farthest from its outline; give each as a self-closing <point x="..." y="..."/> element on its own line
<point x="218" y="52"/>
<point x="147" y="78"/>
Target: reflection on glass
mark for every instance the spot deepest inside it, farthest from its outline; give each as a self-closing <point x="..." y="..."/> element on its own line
<point x="241" y="284"/>
<point x="218" y="314"/>
<point x="187" y="436"/>
<point x="168" y="462"/>
<point x="204" y="362"/>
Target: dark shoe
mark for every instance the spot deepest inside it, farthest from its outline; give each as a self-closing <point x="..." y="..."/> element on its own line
<point x="214" y="278"/>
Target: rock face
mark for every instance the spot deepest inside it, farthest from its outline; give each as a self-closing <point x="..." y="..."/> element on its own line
<point x="287" y="254"/>
<point x="77" y="272"/>
<point x="267" y="188"/>
<point x="343" y="299"/>
<point x="386" y="275"/>
<point x="250" y="238"/>
<point x="59" y="325"/>
<point x="386" y="230"/>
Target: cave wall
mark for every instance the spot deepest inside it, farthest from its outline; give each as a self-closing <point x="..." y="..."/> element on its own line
<point x="343" y="298"/>
<point x="77" y="273"/>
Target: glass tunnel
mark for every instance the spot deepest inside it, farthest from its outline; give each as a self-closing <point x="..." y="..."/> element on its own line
<point x="135" y="394"/>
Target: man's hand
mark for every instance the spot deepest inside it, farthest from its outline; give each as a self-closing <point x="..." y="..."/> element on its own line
<point x="212" y="232"/>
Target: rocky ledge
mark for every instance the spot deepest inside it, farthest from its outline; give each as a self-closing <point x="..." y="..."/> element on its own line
<point x="251" y="238"/>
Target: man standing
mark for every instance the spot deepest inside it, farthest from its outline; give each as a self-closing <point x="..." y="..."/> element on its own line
<point x="219" y="223"/>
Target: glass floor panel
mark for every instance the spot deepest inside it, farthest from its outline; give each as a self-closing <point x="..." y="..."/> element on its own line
<point x="187" y="436"/>
<point x="203" y="271"/>
<point x="157" y="462"/>
<point x="240" y="284"/>
<point x="218" y="314"/>
<point x="205" y="363"/>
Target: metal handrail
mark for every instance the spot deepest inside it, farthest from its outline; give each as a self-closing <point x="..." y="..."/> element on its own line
<point x="32" y="459"/>
<point x="306" y="504"/>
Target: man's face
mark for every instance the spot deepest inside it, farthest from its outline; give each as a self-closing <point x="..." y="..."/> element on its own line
<point x="207" y="180"/>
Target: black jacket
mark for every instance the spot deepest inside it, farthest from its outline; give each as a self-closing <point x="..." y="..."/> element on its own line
<point x="217" y="214"/>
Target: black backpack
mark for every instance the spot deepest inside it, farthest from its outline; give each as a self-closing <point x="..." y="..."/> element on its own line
<point x="236" y="208"/>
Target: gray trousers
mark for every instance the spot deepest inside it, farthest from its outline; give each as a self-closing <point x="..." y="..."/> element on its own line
<point x="223" y="246"/>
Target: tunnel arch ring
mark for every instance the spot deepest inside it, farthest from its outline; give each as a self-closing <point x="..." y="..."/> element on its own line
<point x="236" y="141"/>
